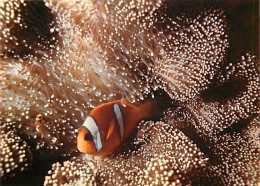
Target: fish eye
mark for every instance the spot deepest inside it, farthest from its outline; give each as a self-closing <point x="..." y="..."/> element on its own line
<point x="88" y="137"/>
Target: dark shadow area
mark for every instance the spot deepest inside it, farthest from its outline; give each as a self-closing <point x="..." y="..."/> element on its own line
<point x="30" y="29"/>
<point x="222" y="93"/>
<point x="35" y="175"/>
<point x="239" y="126"/>
<point x="243" y="20"/>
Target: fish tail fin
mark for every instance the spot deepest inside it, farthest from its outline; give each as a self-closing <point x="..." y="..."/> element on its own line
<point x="153" y="108"/>
<point x="147" y="109"/>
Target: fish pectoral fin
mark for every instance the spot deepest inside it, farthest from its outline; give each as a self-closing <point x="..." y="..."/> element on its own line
<point x="111" y="128"/>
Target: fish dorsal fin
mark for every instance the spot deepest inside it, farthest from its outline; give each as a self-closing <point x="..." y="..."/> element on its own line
<point x="92" y="127"/>
<point x="111" y="128"/>
<point x="119" y="119"/>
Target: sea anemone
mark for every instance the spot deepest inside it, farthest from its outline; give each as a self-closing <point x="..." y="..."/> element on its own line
<point x="63" y="58"/>
<point x="73" y="172"/>
<point x="15" y="154"/>
<point x="159" y="154"/>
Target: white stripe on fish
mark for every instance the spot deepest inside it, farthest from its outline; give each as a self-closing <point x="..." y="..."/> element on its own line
<point x="119" y="119"/>
<point x="92" y="127"/>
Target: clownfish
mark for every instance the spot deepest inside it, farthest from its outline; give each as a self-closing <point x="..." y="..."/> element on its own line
<point x="39" y="124"/>
<point x="108" y="125"/>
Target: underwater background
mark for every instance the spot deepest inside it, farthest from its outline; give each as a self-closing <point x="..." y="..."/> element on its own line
<point x="63" y="58"/>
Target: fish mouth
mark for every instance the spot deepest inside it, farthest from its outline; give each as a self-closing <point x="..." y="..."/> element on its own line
<point x="88" y="136"/>
<point x="83" y="140"/>
<point x="84" y="134"/>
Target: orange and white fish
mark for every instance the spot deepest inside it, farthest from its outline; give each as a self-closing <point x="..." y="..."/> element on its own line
<point x="108" y="125"/>
<point x="39" y="124"/>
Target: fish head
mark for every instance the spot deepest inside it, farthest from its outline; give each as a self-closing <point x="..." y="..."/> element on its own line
<point x="38" y="117"/>
<point x="85" y="141"/>
<point x="89" y="138"/>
